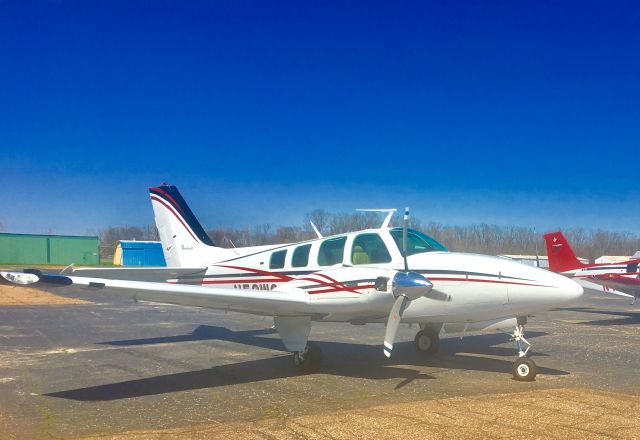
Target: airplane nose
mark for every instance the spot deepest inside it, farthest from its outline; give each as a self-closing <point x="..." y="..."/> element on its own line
<point x="568" y="289"/>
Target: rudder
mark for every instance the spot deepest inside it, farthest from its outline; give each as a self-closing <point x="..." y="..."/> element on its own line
<point x="184" y="241"/>
<point x="561" y="256"/>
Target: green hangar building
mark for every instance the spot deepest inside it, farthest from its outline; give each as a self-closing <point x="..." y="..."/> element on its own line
<point x="49" y="249"/>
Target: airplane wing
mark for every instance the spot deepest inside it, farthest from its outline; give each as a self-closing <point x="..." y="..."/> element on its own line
<point x="261" y="302"/>
<point x="347" y="291"/>
<point x="599" y="288"/>
<point x="629" y="285"/>
<point x="339" y="291"/>
<point x="152" y="274"/>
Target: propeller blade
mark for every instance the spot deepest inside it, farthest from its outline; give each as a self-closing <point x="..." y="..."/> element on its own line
<point x="405" y="225"/>
<point x="395" y="316"/>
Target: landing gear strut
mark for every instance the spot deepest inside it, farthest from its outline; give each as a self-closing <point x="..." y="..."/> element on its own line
<point x="524" y="369"/>
<point x="310" y="360"/>
<point x="427" y="342"/>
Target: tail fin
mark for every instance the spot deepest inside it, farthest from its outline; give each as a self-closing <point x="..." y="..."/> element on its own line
<point x="561" y="256"/>
<point x="184" y="241"/>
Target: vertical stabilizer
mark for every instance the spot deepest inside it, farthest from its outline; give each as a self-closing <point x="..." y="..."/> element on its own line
<point x="561" y="256"/>
<point x="184" y="241"/>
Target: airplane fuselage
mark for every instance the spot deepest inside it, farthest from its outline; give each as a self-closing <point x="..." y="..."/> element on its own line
<point x="627" y="269"/>
<point x="467" y="287"/>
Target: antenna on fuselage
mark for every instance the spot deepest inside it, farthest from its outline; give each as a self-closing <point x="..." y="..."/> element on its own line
<point x="315" y="229"/>
<point x="387" y="219"/>
<point x="233" y="246"/>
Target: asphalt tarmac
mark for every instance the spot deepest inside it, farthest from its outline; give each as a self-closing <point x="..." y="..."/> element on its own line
<point x="116" y="366"/>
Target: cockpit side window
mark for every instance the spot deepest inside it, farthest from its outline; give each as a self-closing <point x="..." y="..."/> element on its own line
<point x="331" y="251"/>
<point x="369" y="249"/>
<point x="277" y="259"/>
<point x="300" y="256"/>
<point x="417" y="242"/>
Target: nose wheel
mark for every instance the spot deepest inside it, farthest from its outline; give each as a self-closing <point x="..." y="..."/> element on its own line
<point x="427" y="342"/>
<point x="524" y="369"/>
<point x="310" y="360"/>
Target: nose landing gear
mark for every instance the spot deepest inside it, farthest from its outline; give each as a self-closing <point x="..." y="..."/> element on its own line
<point x="524" y="369"/>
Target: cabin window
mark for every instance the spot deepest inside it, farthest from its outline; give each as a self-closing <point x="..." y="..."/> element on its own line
<point x="632" y="267"/>
<point x="301" y="256"/>
<point x="331" y="251"/>
<point x="277" y="259"/>
<point x="417" y="242"/>
<point x="369" y="249"/>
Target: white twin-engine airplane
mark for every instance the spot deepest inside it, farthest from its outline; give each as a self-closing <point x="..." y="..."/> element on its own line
<point x="358" y="277"/>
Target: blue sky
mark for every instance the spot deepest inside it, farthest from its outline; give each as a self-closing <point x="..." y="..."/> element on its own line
<point x="505" y="112"/>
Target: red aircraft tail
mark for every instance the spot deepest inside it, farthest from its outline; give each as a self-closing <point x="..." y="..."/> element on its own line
<point x="561" y="256"/>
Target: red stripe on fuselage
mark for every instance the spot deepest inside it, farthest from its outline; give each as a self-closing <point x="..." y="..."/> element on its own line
<point x="475" y="280"/>
<point x="339" y="289"/>
<point x="258" y="271"/>
<point x="280" y="278"/>
<point x="337" y="285"/>
<point x="288" y="278"/>
<point x="604" y="266"/>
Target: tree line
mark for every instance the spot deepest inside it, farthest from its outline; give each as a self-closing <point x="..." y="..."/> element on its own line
<point x="480" y="238"/>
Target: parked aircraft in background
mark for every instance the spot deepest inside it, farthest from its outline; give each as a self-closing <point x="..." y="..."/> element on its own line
<point x="622" y="278"/>
<point x="380" y="275"/>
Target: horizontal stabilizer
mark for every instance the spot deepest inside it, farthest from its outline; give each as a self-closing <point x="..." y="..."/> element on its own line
<point x="151" y="274"/>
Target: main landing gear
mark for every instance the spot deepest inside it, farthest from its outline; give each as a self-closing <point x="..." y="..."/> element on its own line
<point x="524" y="369"/>
<point x="427" y="342"/>
<point x="310" y="360"/>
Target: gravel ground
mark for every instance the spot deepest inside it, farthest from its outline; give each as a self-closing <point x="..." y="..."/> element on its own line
<point x="27" y="296"/>
<point x="552" y="414"/>
<point x="116" y="369"/>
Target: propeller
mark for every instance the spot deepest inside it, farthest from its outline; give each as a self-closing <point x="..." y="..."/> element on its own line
<point x="406" y="286"/>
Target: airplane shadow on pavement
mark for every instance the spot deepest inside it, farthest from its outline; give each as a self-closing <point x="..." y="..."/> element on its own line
<point x="483" y="344"/>
<point x="341" y="359"/>
<point x="623" y="317"/>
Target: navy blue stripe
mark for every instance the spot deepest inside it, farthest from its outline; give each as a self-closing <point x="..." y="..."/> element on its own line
<point x="185" y="211"/>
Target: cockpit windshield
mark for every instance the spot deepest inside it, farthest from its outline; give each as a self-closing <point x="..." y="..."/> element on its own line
<point x="417" y="242"/>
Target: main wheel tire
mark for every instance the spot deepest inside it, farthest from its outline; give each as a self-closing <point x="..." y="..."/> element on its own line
<point x="524" y="369"/>
<point x="310" y="360"/>
<point x="427" y="342"/>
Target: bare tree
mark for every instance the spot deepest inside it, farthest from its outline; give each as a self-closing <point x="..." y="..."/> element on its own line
<point x="110" y="236"/>
<point x="287" y="234"/>
<point x="320" y="219"/>
<point x="481" y="238"/>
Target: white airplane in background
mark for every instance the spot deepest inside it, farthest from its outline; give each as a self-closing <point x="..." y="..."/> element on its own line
<point x="622" y="278"/>
<point x="358" y="277"/>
